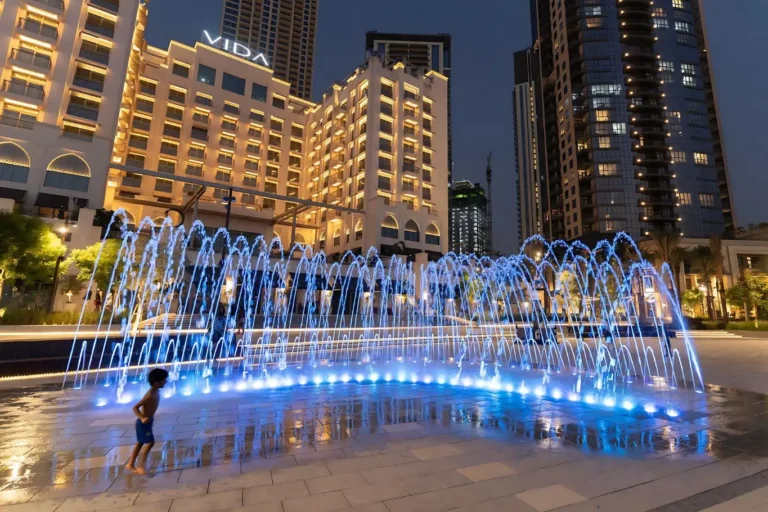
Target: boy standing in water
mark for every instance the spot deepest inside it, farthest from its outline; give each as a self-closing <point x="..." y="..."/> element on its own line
<point x="145" y="411"/>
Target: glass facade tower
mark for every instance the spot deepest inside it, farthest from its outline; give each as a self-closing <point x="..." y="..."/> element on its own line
<point x="627" y="120"/>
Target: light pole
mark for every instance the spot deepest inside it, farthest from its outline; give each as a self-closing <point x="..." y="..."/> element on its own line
<point x="52" y="299"/>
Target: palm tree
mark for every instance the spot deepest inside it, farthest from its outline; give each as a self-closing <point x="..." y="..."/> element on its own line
<point x="716" y="246"/>
<point x="705" y="266"/>
<point x="666" y="245"/>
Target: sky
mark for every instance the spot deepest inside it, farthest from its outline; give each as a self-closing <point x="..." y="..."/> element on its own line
<point x="484" y="39"/>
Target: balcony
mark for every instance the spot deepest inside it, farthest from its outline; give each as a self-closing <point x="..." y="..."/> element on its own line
<point x="227" y="143"/>
<point x="201" y="119"/>
<point x="17" y="122"/>
<point x="172" y="131"/>
<point x="101" y="58"/>
<point x="57" y="5"/>
<point x="139" y="123"/>
<point x="39" y="29"/>
<point x="162" y="186"/>
<point x="25" y="89"/>
<point x="101" y="28"/>
<point x="37" y="60"/>
<point x="109" y="5"/>
<point x="82" y="112"/>
<point x="87" y="83"/>
<point x="132" y="181"/>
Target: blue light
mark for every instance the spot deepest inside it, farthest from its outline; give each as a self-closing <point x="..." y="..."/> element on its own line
<point x="387" y="377"/>
<point x="224" y="387"/>
<point x="241" y="385"/>
<point x="441" y="380"/>
<point x="466" y="382"/>
<point x="414" y="378"/>
<point x="272" y="382"/>
<point x="590" y="399"/>
<point x="522" y="390"/>
<point x="257" y="384"/>
<point x="288" y="382"/>
<point x="628" y="405"/>
<point x="187" y="391"/>
<point x="557" y="394"/>
<point x="359" y="377"/>
<point x="332" y="378"/>
<point x="573" y="397"/>
<point x="609" y="401"/>
<point x="101" y="402"/>
<point x="427" y="379"/>
<point x="510" y="387"/>
<point x="373" y="377"/>
<point x="317" y="380"/>
<point x="650" y="408"/>
<point x="345" y="378"/>
<point x="672" y="413"/>
<point x="539" y="391"/>
<point x="401" y="377"/>
<point x="125" y="398"/>
<point x="302" y="380"/>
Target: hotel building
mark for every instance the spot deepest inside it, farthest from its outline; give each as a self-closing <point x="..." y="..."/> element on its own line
<point x="367" y="165"/>
<point x="470" y="219"/>
<point x="62" y="82"/>
<point x="283" y="30"/>
<point x="629" y="137"/>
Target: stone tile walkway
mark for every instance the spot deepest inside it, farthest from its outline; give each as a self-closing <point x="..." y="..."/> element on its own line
<point x="381" y="448"/>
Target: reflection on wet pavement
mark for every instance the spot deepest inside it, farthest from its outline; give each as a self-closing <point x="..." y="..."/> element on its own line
<point x="55" y="445"/>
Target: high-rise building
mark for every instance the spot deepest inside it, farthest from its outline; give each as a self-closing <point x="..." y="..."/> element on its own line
<point x="283" y="30"/>
<point x="628" y="135"/>
<point x="529" y="178"/>
<point x="420" y="53"/>
<point x="469" y="224"/>
<point x="375" y="147"/>
<point x="64" y="71"/>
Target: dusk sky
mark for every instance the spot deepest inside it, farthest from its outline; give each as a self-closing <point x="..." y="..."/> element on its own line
<point x="484" y="39"/>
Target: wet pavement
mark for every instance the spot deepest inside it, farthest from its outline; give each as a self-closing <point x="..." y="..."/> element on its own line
<point x="383" y="448"/>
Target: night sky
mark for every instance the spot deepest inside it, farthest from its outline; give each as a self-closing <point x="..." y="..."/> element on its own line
<point x="484" y="38"/>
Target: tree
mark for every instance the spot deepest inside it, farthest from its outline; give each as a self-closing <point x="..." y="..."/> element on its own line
<point x="28" y="248"/>
<point x="705" y="266"/>
<point x="692" y="298"/>
<point x="750" y="293"/>
<point x="85" y="259"/>
<point x="716" y="247"/>
<point x="666" y="246"/>
<point x="71" y="285"/>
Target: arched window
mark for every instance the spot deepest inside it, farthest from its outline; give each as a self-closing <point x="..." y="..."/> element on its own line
<point x="432" y="235"/>
<point x="14" y="163"/>
<point x="69" y="172"/>
<point x="337" y="237"/>
<point x="321" y="240"/>
<point x="359" y="230"/>
<point x="299" y="239"/>
<point x="389" y="227"/>
<point x="412" y="233"/>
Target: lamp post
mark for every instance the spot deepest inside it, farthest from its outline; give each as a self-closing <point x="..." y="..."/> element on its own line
<point x="52" y="299"/>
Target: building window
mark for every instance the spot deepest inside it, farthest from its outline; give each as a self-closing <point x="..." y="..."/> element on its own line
<point x="384" y="183"/>
<point x="411" y="232"/>
<point x="206" y="74"/>
<point x="278" y="102"/>
<point x="701" y="159"/>
<point x="389" y="227"/>
<point x="602" y="115"/>
<point x="682" y="26"/>
<point x="233" y="84"/>
<point x="259" y="92"/>
<point x="678" y="157"/>
<point x="607" y="169"/>
<point x="684" y="198"/>
<point x="181" y="69"/>
<point x="678" y="4"/>
<point x="604" y="142"/>
<point x="707" y="200"/>
<point x="256" y="116"/>
<point x="432" y="235"/>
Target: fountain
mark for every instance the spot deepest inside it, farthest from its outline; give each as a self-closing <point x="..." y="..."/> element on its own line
<point x="225" y="315"/>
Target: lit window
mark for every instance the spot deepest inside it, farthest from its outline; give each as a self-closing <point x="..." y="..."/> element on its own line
<point x="682" y="26"/>
<point x="602" y="115"/>
<point x="666" y="65"/>
<point x="604" y="142"/>
<point x="689" y="81"/>
<point x="684" y="198"/>
<point x="688" y="69"/>
<point x="620" y="128"/>
<point x="678" y="4"/>
<point x="701" y="159"/>
<point x="707" y="200"/>
<point x="607" y="169"/>
<point x="206" y="74"/>
<point x="678" y="157"/>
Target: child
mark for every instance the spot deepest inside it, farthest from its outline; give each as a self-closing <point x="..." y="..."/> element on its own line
<point x="146" y="416"/>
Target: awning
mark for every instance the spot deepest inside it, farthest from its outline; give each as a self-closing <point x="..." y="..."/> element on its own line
<point x="12" y="193"/>
<point x="52" y="201"/>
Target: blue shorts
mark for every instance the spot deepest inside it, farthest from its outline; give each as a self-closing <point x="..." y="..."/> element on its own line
<point x="144" y="433"/>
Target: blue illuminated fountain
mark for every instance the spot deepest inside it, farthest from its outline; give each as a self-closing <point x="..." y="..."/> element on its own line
<point x="557" y="320"/>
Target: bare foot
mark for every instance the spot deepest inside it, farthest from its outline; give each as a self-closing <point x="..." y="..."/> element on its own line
<point x="141" y="471"/>
<point x="130" y="467"/>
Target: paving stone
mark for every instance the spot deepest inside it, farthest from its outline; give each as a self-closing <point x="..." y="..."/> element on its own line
<point x="487" y="471"/>
<point x="335" y="483"/>
<point x="316" y="503"/>
<point x="372" y="493"/>
<point x="274" y="492"/>
<point x="550" y="498"/>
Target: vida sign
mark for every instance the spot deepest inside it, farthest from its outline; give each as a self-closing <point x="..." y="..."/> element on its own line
<point x="235" y="48"/>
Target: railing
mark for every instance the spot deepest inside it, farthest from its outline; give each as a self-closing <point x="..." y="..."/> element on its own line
<point x="104" y="30"/>
<point x="87" y="83"/>
<point x="85" y="113"/>
<point x="18" y="122"/>
<point x="54" y="4"/>
<point x="163" y="187"/>
<point x="409" y="187"/>
<point x="200" y="118"/>
<point x="173" y="113"/>
<point x="106" y="4"/>
<point x="227" y="143"/>
<point x="25" y="89"/>
<point x="172" y="133"/>
<point x="101" y="58"/>
<point x="132" y="182"/>
<point x="39" y="60"/>
<point x="138" y="142"/>
<point x="35" y="27"/>
<point x="202" y="100"/>
<point x="427" y="176"/>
